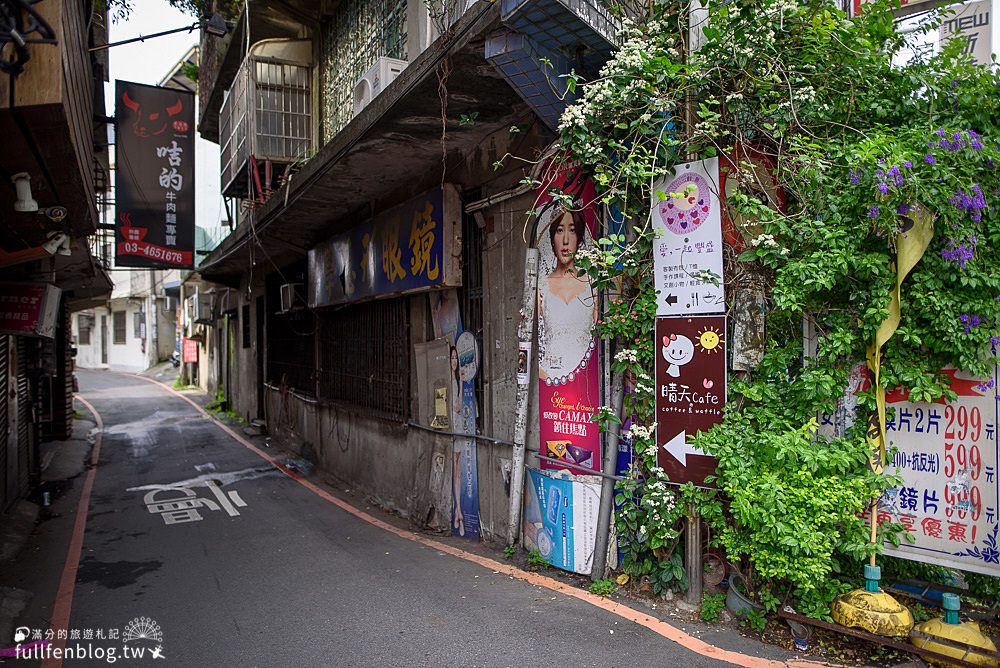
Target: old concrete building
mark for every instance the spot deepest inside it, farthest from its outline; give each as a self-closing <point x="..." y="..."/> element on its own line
<point x="366" y="158"/>
<point x="55" y="158"/>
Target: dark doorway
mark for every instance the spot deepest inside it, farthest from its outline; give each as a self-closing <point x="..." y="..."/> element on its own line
<point x="259" y="342"/>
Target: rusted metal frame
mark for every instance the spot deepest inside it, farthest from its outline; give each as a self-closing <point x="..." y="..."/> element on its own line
<point x="892" y="642"/>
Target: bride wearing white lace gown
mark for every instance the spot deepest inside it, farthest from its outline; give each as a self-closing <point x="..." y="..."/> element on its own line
<point x="566" y="303"/>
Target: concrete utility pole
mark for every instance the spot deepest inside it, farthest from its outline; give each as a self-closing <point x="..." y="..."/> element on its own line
<point x="525" y="335"/>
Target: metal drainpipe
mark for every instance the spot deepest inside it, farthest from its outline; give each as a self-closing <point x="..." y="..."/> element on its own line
<point x="525" y="334"/>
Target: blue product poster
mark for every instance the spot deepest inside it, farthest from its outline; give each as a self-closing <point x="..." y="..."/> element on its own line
<point x="560" y="518"/>
<point x="465" y="511"/>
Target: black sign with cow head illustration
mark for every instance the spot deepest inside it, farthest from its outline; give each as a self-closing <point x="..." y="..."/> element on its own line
<point x="154" y="177"/>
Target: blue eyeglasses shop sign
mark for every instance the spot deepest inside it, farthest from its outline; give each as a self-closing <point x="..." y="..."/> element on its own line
<point x="409" y="248"/>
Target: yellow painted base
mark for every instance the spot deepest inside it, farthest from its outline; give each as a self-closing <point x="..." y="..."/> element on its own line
<point x="967" y="633"/>
<point x="876" y="613"/>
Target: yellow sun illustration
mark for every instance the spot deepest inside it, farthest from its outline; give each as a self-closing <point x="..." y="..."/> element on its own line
<point x="709" y="340"/>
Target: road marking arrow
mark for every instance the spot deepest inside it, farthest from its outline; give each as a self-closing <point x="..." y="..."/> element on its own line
<point x="679" y="449"/>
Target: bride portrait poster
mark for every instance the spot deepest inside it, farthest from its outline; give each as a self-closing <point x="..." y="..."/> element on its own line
<point x="568" y="374"/>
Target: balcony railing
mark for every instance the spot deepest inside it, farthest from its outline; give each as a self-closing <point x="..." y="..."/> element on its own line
<point x="266" y="119"/>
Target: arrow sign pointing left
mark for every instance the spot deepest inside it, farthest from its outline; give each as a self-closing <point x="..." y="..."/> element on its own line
<point x="679" y="449"/>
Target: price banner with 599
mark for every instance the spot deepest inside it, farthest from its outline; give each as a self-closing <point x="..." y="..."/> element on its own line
<point x="946" y="455"/>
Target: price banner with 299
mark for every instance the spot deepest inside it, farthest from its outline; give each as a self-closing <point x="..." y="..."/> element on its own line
<point x="947" y="455"/>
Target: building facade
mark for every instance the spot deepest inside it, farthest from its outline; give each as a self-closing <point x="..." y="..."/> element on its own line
<point x="364" y="152"/>
<point x="53" y="123"/>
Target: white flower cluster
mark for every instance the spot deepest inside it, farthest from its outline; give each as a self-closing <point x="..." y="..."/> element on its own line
<point x="590" y="255"/>
<point x="639" y="431"/>
<point x="573" y="116"/>
<point x="767" y="240"/>
<point x="627" y="355"/>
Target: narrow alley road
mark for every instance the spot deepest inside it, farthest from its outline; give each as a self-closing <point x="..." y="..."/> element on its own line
<point x="239" y="564"/>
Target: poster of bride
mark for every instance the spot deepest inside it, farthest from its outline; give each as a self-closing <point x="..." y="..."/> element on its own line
<point x="568" y="374"/>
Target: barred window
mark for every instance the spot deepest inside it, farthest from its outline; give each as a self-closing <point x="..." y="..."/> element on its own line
<point x="364" y="357"/>
<point x="85" y="324"/>
<point x="245" y="325"/>
<point x="359" y="32"/>
<point x="291" y="337"/>
<point x="118" y="322"/>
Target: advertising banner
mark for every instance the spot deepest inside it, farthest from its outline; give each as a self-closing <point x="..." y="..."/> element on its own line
<point x="29" y="309"/>
<point x="190" y="351"/>
<point x="687" y="253"/>
<point x="560" y="518"/>
<point x="690" y="392"/>
<point x="568" y="374"/>
<point x="411" y="247"/>
<point x="947" y="456"/>
<point x="154" y="177"/>
<point x="465" y="476"/>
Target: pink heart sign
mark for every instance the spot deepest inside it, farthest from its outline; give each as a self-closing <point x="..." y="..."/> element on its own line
<point x="685" y="213"/>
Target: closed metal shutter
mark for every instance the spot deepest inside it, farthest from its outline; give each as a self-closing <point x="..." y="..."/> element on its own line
<point x="23" y="417"/>
<point x="4" y="383"/>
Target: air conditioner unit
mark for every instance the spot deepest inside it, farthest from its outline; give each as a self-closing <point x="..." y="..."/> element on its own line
<point x="375" y="81"/>
<point x="205" y="312"/>
<point x="291" y="297"/>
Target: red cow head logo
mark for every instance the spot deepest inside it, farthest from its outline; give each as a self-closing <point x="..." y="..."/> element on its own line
<point x="149" y="123"/>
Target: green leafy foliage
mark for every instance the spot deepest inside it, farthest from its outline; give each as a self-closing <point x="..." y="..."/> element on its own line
<point x="536" y="561"/>
<point x="858" y="147"/>
<point x="605" y="587"/>
<point x="711" y="606"/>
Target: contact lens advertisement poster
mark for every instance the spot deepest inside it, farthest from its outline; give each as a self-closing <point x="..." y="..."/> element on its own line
<point x="690" y="392"/>
<point x="568" y="374"/>
<point x="560" y="518"/>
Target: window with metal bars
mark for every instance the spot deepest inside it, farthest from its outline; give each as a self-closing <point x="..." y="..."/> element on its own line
<point x="291" y="337"/>
<point x="84" y="325"/>
<point x="245" y="325"/>
<point x="359" y="33"/>
<point x="119" y="325"/>
<point x="470" y="296"/>
<point x="364" y="354"/>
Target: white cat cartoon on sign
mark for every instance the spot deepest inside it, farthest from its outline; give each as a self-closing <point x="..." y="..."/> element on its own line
<point x="678" y="350"/>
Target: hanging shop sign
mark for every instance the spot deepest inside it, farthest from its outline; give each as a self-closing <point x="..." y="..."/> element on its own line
<point x="687" y="253"/>
<point x="568" y="374"/>
<point x="29" y="309"/>
<point x="411" y="248"/>
<point x="947" y="456"/>
<point x="560" y="518"/>
<point x="154" y="177"/>
<point x="190" y="351"/>
<point x="690" y="392"/>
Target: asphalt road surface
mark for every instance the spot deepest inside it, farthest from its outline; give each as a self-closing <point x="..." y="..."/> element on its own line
<point x="237" y="564"/>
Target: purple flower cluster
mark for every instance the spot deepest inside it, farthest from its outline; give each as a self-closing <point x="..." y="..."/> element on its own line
<point x="982" y="387"/>
<point x="873" y="211"/>
<point x="973" y="202"/>
<point x="855" y="177"/>
<point x="888" y="177"/>
<point x="956" y="141"/>
<point x="959" y="253"/>
<point x="970" y="321"/>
